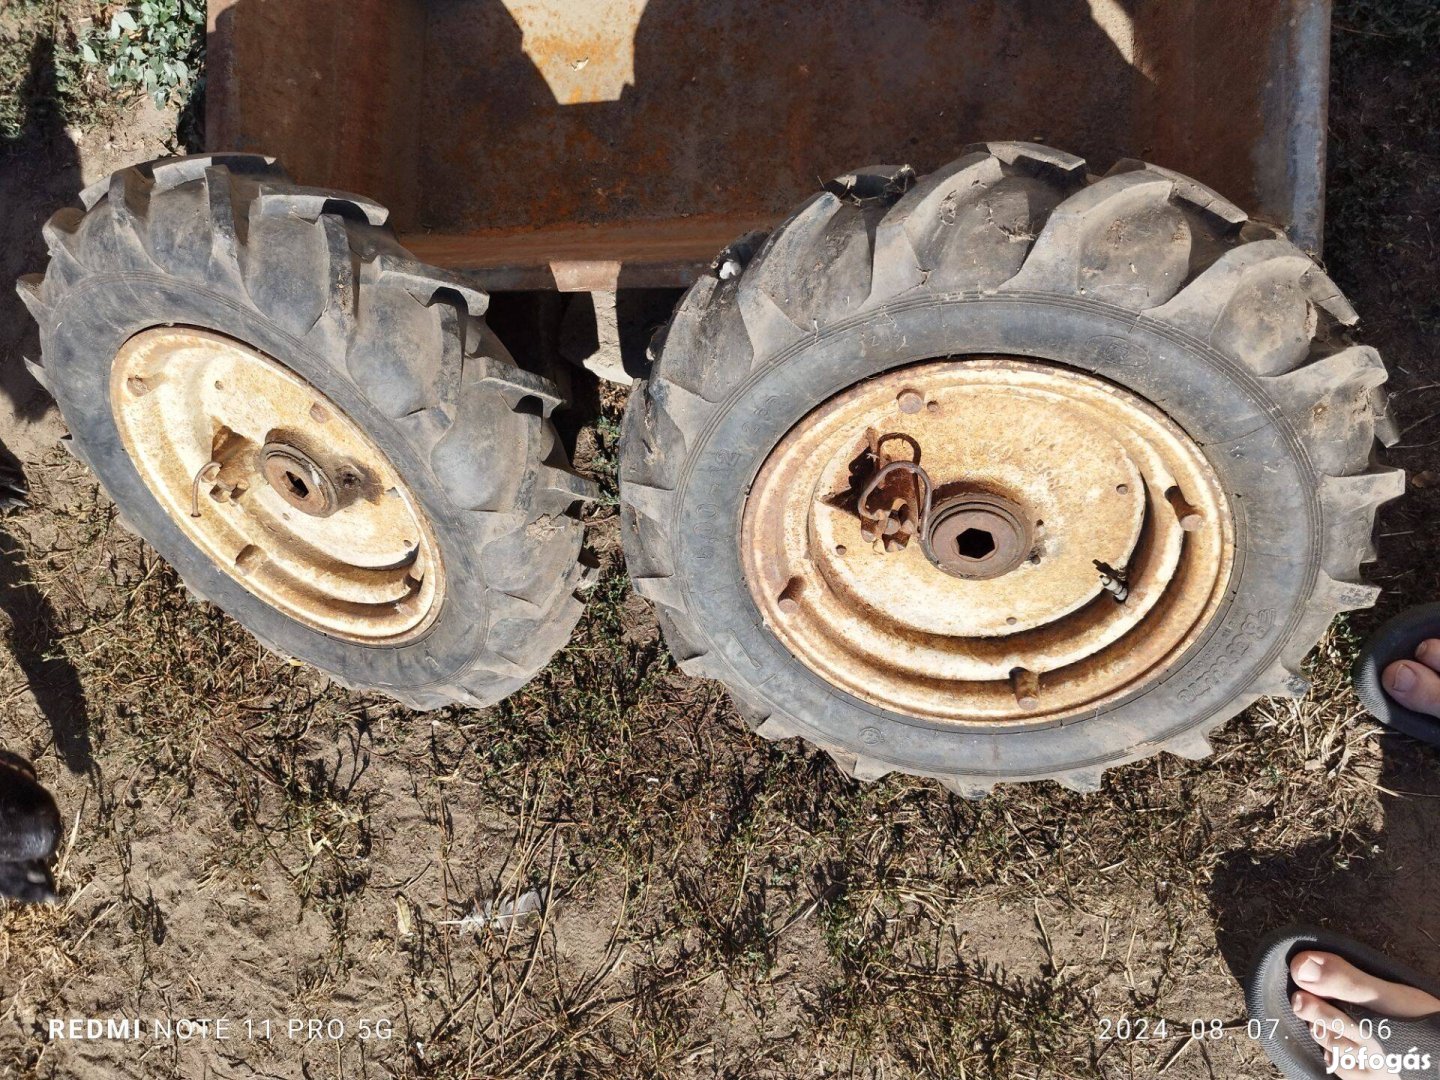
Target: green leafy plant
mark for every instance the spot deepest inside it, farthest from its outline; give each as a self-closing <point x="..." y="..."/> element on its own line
<point x="14" y="72"/>
<point x="157" y="46"/>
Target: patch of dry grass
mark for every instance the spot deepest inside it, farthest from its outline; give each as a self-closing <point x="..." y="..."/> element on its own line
<point x="717" y="905"/>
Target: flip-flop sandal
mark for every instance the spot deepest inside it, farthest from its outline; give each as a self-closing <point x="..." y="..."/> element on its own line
<point x="1397" y="640"/>
<point x="1286" y="1038"/>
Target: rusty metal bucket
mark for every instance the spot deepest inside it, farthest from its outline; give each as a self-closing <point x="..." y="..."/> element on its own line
<point x="594" y="144"/>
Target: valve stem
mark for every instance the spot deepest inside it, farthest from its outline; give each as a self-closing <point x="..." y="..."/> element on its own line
<point x="1112" y="581"/>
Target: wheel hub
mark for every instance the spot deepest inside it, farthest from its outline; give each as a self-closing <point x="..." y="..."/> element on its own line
<point x="1072" y="541"/>
<point x="297" y="479"/>
<point x="276" y="485"/>
<point x="978" y="536"/>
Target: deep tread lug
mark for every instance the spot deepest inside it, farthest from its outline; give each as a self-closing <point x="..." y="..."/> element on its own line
<point x="514" y="383"/>
<point x="37" y="372"/>
<point x="425" y="282"/>
<point x="28" y="288"/>
<point x="1257" y="304"/>
<point x="1090" y="244"/>
<point x="1035" y="157"/>
<point x="1081" y="781"/>
<point x="1192" y="745"/>
<point x="652" y="502"/>
<point x="559" y="488"/>
<point x="309" y="204"/>
<point x="664" y="591"/>
<point x="170" y="173"/>
<point x="918" y="221"/>
<point x="1190" y="191"/>
<point x="972" y="788"/>
<point x="1334" y="400"/>
<point x="776" y="728"/>
<point x="873" y="185"/>
<point x="60" y="236"/>
<point x="1281" y="682"/>
<point x="782" y="300"/>
<point x="225" y="236"/>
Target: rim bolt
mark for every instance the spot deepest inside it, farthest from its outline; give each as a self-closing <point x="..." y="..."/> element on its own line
<point x="1188" y="516"/>
<point x="789" y="602"/>
<point x="932" y="406"/>
<point x="249" y="558"/>
<point x="910" y="401"/>
<point x="1025" y="684"/>
<point x="1122" y="489"/>
<point x="319" y="413"/>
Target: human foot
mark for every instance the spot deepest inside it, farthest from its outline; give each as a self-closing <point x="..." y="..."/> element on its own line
<point x="1397" y="673"/>
<point x="1329" y="983"/>
<point x="1416" y="683"/>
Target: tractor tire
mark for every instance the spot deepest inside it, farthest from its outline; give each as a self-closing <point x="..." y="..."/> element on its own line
<point x="1141" y="284"/>
<point x="306" y="295"/>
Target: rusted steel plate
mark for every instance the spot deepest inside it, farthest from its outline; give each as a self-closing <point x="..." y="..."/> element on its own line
<point x="1111" y="584"/>
<point x="587" y="258"/>
<point x="481" y="118"/>
<point x="330" y="85"/>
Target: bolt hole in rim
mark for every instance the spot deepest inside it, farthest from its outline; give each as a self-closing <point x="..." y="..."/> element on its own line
<point x="230" y="443"/>
<point x="1063" y="472"/>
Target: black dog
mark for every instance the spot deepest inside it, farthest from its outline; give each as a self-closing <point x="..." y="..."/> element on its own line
<point x="29" y="833"/>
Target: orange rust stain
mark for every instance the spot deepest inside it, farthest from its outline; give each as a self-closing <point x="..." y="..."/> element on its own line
<point x="736" y="109"/>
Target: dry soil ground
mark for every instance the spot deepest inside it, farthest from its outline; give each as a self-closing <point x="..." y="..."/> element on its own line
<point x="250" y="843"/>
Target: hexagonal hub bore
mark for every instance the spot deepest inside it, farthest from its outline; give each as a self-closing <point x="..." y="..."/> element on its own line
<point x="297" y="479"/>
<point x="978" y="536"/>
<point x="975" y="544"/>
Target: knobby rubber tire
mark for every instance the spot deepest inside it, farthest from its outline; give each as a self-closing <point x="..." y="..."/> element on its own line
<point x="1141" y="277"/>
<point x="316" y="280"/>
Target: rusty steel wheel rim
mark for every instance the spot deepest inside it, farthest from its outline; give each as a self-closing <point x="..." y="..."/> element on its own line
<point x="276" y="485"/>
<point x="987" y="540"/>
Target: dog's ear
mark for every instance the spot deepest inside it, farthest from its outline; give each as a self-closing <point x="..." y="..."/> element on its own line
<point x="28" y="882"/>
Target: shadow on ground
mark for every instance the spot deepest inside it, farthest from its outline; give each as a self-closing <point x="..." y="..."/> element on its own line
<point x="1383" y="896"/>
<point x="39" y="172"/>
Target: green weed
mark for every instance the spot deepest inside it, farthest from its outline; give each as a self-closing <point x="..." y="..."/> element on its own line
<point x="154" y="46"/>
